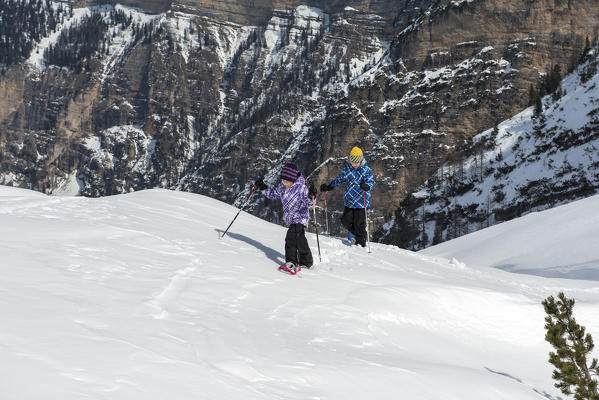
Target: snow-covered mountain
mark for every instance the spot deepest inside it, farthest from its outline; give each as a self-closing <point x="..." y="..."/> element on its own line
<point x="135" y="297"/>
<point x="207" y="95"/>
<point x="545" y="156"/>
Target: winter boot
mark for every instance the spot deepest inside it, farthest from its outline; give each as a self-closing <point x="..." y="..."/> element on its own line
<point x="351" y="238"/>
<point x="292" y="267"/>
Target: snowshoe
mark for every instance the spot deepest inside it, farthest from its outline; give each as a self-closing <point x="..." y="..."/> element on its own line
<point x="290" y="268"/>
<point x="350" y="240"/>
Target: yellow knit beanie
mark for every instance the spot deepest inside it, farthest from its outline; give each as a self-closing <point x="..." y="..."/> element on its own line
<point x="356" y="156"/>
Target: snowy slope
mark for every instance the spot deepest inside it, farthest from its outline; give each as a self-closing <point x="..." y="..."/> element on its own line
<point x="527" y="163"/>
<point x="135" y="297"/>
<point x="560" y="242"/>
<point x="121" y="38"/>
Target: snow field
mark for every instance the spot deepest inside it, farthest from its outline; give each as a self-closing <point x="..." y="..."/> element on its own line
<point x="556" y="243"/>
<point x="135" y="297"/>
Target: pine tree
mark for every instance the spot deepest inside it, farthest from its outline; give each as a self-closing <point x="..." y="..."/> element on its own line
<point x="532" y="96"/>
<point x="572" y="373"/>
<point x="538" y="106"/>
<point x="585" y="51"/>
<point x="553" y="79"/>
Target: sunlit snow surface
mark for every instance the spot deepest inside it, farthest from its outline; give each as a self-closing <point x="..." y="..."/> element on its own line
<point x="561" y="242"/>
<point x="135" y="297"/>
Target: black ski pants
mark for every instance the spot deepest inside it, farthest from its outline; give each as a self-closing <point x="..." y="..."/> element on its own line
<point x="354" y="220"/>
<point x="296" y="246"/>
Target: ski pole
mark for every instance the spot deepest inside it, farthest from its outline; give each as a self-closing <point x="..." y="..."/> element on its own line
<point x="326" y="212"/>
<point x="244" y="204"/>
<point x="316" y="227"/>
<point x="366" y="215"/>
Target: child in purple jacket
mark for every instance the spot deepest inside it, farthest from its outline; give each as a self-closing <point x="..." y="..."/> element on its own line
<point x="296" y="211"/>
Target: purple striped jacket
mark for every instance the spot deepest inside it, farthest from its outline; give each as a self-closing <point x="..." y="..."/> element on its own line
<point x="296" y="203"/>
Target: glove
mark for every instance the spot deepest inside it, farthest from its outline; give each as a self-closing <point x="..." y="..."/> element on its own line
<point x="312" y="190"/>
<point x="325" y="187"/>
<point x="260" y="184"/>
<point x="364" y="186"/>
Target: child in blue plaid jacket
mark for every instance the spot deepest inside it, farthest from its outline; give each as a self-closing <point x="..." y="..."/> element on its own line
<point x="359" y="184"/>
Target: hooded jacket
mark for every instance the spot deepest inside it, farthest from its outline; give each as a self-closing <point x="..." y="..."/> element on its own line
<point x="354" y="195"/>
<point x="296" y="203"/>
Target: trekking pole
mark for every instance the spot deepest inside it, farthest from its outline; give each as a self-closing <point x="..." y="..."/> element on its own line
<point x="244" y="204"/>
<point x="326" y="213"/>
<point x="316" y="227"/>
<point x="366" y="214"/>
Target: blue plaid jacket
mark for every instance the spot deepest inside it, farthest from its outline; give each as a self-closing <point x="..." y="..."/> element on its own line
<point x="354" y="197"/>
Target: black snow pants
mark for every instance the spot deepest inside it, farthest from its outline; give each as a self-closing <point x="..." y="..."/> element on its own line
<point x="296" y="246"/>
<point x="354" y="220"/>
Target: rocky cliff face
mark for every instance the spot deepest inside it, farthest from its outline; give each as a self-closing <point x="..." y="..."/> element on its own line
<point x="206" y="96"/>
<point x="259" y="12"/>
<point x="542" y="157"/>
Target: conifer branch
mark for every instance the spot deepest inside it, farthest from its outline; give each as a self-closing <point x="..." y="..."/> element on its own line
<point x="573" y="373"/>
